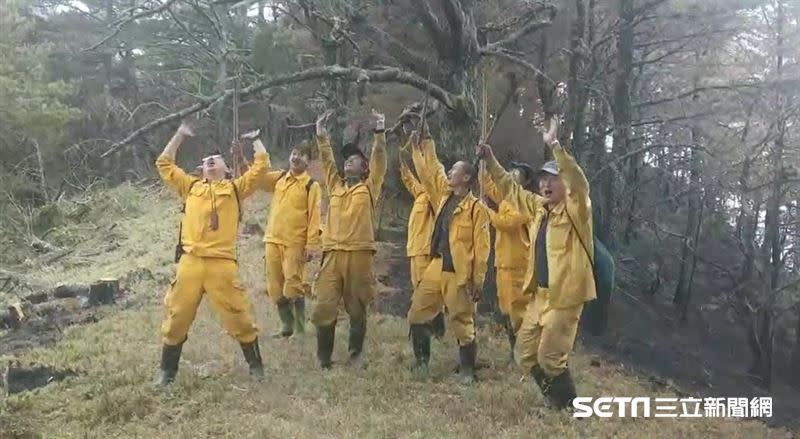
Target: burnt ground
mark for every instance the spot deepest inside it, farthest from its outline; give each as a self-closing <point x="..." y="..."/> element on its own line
<point x="705" y="357"/>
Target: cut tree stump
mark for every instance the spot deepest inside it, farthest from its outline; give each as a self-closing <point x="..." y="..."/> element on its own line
<point x="103" y="292"/>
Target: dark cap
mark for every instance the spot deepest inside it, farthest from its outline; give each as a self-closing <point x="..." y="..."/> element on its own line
<point x="350" y="149"/>
<point x="525" y="168"/>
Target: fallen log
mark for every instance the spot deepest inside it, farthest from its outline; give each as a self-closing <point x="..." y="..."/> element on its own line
<point x="70" y="290"/>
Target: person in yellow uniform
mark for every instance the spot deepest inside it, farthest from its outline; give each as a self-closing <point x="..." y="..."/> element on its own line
<point x="292" y="237"/>
<point x="559" y="275"/>
<point x="348" y="243"/>
<point x="459" y="249"/>
<point x="420" y="231"/>
<point x="206" y="253"/>
<point x="511" y="249"/>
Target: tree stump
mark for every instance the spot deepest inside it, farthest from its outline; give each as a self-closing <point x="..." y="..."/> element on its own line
<point x="13" y="318"/>
<point x="103" y="292"/>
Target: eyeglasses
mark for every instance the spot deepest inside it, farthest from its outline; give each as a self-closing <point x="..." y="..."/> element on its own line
<point x="212" y="157"/>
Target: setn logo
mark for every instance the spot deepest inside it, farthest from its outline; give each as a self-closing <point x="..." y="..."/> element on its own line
<point x="604" y="407"/>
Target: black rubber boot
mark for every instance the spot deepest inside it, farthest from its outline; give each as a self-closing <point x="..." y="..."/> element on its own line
<point x="467" y="356"/>
<point x="170" y="357"/>
<point x="421" y="344"/>
<point x="300" y="315"/>
<point x="252" y="354"/>
<point x="512" y="337"/>
<point x="355" y="345"/>
<point x="437" y="326"/>
<point x="286" y="314"/>
<point x="562" y="390"/>
<point x="544" y="384"/>
<point x="325" y="338"/>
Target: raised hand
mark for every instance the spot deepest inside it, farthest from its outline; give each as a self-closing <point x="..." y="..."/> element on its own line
<point x="322" y="120"/>
<point x="550" y="136"/>
<point x="380" y="120"/>
<point x="483" y="150"/>
<point x="186" y="129"/>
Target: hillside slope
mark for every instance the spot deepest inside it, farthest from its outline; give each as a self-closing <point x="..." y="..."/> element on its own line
<point x="128" y="232"/>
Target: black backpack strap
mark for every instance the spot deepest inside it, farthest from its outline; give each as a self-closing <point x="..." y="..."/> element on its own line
<point x="179" y="247"/>
<point x="585" y="249"/>
<point x="310" y="183"/>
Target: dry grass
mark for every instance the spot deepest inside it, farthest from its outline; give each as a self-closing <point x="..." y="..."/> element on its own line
<point x="213" y="396"/>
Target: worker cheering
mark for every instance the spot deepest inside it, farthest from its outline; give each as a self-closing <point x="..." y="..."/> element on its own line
<point x="459" y="249"/>
<point x="292" y="237"/>
<point x="511" y="249"/>
<point x="349" y="240"/>
<point x="206" y="252"/>
<point x="559" y="274"/>
<point x="420" y="228"/>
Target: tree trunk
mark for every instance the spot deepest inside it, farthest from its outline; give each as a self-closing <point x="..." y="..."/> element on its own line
<point x="770" y="255"/>
<point x="576" y="86"/>
<point x="622" y="100"/>
<point x="40" y="163"/>
<point x="795" y="362"/>
<point x="683" y="291"/>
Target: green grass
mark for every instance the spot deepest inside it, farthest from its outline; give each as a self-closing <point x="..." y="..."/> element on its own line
<point x="213" y="396"/>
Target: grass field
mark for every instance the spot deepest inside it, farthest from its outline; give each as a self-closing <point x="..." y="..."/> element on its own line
<point x="117" y="361"/>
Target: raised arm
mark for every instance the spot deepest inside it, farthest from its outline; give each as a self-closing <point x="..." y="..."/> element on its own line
<point x="489" y="188"/>
<point x="524" y="201"/>
<point x="377" y="163"/>
<point x="432" y="176"/>
<point x="312" y="234"/>
<point x="411" y="183"/>
<point x="326" y="156"/>
<point x="174" y="177"/>
<point x="571" y="173"/>
<point x="248" y="182"/>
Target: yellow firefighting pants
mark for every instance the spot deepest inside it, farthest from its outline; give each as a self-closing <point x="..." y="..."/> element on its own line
<point x="220" y="279"/>
<point x="510" y="294"/>
<point x="285" y="268"/>
<point x="547" y="335"/>
<point x="439" y="288"/>
<point x="418" y="266"/>
<point x="348" y="276"/>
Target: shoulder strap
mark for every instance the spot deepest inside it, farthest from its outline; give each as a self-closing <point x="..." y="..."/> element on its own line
<point x="238" y="201"/>
<point x="310" y="183"/>
<point x="585" y="249"/>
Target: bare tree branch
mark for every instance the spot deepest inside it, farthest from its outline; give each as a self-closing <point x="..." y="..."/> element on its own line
<point x="327" y="72"/>
<point x="502" y="54"/>
<point x="530" y="26"/>
<point x="121" y="24"/>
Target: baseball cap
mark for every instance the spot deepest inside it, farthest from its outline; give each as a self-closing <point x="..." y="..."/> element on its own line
<point x="550" y="167"/>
